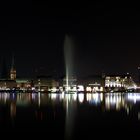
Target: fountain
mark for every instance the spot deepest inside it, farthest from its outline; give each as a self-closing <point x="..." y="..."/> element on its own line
<point x="68" y="55"/>
<point x="69" y="66"/>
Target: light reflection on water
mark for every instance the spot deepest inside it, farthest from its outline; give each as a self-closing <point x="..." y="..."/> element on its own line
<point x="40" y="103"/>
<point x="108" y="101"/>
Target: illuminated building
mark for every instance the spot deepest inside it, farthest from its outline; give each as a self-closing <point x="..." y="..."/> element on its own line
<point x="23" y="84"/>
<point x="7" y="84"/>
<point x="114" y="81"/>
<point x="71" y="81"/>
<point x="13" y="74"/>
<point x="70" y="84"/>
<point x="94" y="83"/>
<point x="44" y="83"/>
<point x="119" y="82"/>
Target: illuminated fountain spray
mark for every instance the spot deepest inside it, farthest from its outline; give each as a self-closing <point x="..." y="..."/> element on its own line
<point x="69" y="66"/>
<point x="68" y="54"/>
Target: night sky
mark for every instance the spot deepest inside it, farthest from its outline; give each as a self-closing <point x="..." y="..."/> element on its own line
<point x="107" y="38"/>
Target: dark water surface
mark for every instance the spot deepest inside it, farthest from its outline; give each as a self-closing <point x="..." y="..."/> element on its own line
<point x="70" y="116"/>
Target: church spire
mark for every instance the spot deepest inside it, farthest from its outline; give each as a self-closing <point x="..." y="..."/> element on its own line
<point x="13" y="70"/>
<point x="13" y="62"/>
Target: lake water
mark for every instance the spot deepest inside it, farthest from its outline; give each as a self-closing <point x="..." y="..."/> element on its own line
<point x="70" y="116"/>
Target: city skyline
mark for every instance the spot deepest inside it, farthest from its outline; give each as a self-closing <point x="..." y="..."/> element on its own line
<point x="69" y="70"/>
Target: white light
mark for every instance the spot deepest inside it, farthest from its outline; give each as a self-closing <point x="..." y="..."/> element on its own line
<point x="81" y="97"/>
<point x="127" y="111"/>
<point x="88" y="89"/>
<point x="101" y="96"/>
<point x="61" y="89"/>
<point x="88" y="96"/>
<point x="39" y="101"/>
<point x="53" y="96"/>
<point x="74" y="89"/>
<point x="134" y="97"/>
<point x="96" y="97"/>
<point x="101" y="89"/>
<point x="62" y="95"/>
<point x="107" y="85"/>
<point x="96" y="89"/>
<point x="80" y="88"/>
<point x="33" y="88"/>
<point x="135" y="86"/>
<point x="75" y="96"/>
<point x="54" y="89"/>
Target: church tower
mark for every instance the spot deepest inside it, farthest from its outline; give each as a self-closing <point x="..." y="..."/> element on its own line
<point x="13" y="70"/>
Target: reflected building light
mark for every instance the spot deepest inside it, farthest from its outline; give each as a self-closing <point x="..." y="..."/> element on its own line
<point x="13" y="110"/>
<point x="101" y="96"/>
<point x="30" y="96"/>
<point x="53" y="96"/>
<point x="117" y="106"/>
<point x="123" y="101"/>
<point x="88" y="96"/>
<point x="67" y="105"/>
<point x="69" y="97"/>
<point x="138" y="115"/>
<point x="1" y="96"/>
<point x="127" y="110"/>
<point x="6" y="97"/>
<point x="96" y="97"/>
<point x="62" y="96"/>
<point x="13" y="95"/>
<point x="74" y="96"/>
<point x="33" y="96"/>
<point x="107" y="102"/>
<point x="114" y="100"/>
<point x="39" y="99"/>
<point x="20" y="96"/>
<point x="107" y="99"/>
<point x="133" y="97"/>
<point x="81" y="97"/>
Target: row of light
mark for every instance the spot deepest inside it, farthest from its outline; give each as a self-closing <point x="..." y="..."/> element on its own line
<point x="77" y="89"/>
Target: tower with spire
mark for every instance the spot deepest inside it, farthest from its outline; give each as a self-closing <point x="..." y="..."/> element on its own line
<point x="13" y="70"/>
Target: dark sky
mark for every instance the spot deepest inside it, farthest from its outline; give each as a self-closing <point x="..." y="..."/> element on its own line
<point x="107" y="38"/>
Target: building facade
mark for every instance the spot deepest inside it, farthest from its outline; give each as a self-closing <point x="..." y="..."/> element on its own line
<point x="119" y="82"/>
